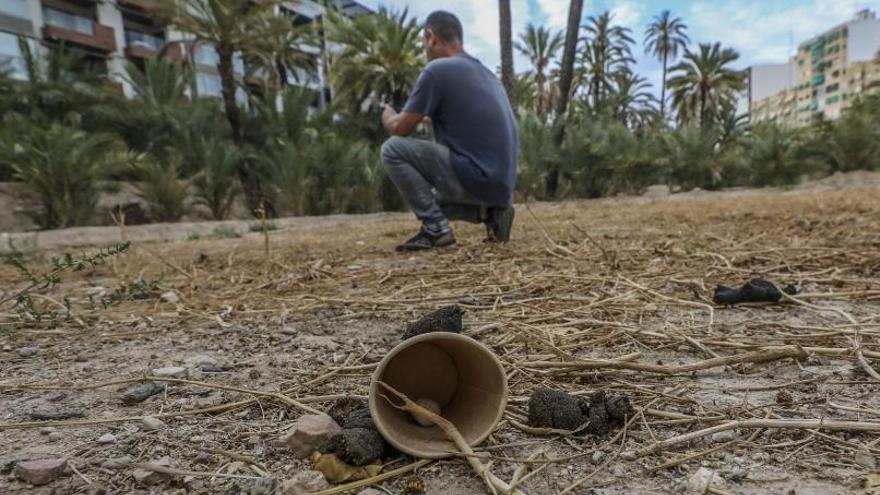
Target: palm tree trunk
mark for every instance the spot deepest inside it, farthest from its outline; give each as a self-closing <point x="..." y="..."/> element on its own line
<point x="663" y="91"/>
<point x="507" y="72"/>
<point x="248" y="176"/>
<point x="565" y="77"/>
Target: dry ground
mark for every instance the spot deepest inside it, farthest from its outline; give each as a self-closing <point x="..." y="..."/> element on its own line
<point x="582" y="281"/>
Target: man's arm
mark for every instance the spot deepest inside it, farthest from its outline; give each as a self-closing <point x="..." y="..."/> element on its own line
<point x="400" y="124"/>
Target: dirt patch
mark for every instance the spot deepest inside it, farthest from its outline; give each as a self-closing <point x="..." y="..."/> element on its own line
<point x="589" y="298"/>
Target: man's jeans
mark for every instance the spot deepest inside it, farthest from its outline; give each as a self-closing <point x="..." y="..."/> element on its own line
<point x="423" y="174"/>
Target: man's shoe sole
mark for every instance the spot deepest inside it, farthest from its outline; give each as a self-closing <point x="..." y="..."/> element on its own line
<point x="504" y="221"/>
<point x="442" y="242"/>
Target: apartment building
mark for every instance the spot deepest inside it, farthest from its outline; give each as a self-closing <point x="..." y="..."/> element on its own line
<point x="108" y="34"/>
<point x="822" y="79"/>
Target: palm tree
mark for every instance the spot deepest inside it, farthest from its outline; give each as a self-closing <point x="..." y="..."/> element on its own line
<point x="566" y="72"/>
<point x="663" y="39"/>
<point x="230" y="26"/>
<point x="703" y="82"/>
<point x="606" y="50"/>
<point x="507" y="72"/>
<point x="380" y="59"/>
<point x="631" y="100"/>
<point x="540" y="46"/>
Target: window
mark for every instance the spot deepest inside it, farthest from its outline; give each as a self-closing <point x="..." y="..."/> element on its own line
<point x="207" y="55"/>
<point x="10" y="54"/>
<point x="835" y="73"/>
<point x="15" y="8"/>
<point x="208" y="85"/>
<point x="69" y="21"/>
<point x="832" y="88"/>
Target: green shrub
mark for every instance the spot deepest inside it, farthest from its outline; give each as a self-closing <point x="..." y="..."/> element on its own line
<point x="775" y="156"/>
<point x="162" y="189"/>
<point x="63" y="165"/>
<point x="217" y="185"/>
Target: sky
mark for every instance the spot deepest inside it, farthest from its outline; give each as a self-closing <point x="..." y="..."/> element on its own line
<point x="762" y="31"/>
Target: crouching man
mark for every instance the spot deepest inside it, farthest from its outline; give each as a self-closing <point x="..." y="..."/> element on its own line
<point x="469" y="172"/>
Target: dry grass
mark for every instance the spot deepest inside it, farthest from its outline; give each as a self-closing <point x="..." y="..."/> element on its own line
<point x="612" y="295"/>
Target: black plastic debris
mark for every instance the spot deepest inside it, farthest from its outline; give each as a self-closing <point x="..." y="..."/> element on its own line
<point x="755" y="290"/>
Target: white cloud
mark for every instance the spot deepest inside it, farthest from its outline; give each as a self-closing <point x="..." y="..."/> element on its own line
<point x="556" y="12"/>
<point x="627" y="13"/>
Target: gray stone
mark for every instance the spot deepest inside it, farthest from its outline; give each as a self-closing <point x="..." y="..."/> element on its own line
<point x="117" y="462"/>
<point x="598" y="457"/>
<point x="303" y="483"/>
<point x="107" y="438"/>
<point x="171" y="372"/>
<point x="700" y="480"/>
<point x="170" y="297"/>
<point x="312" y="432"/>
<point x="42" y="471"/>
<point x="724" y="436"/>
<point x="55" y="436"/>
<point x="141" y="392"/>
<point x="150" y="423"/>
<point x="146" y="477"/>
<point x="27" y="351"/>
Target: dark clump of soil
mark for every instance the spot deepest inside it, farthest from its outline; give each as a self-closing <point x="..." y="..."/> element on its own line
<point x="359" y="443"/>
<point x="359" y="446"/>
<point x="446" y="319"/>
<point x="755" y="290"/>
<point x="550" y="408"/>
<point x="555" y="409"/>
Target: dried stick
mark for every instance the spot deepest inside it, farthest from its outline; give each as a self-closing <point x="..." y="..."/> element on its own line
<point x="792" y="424"/>
<point x="494" y="483"/>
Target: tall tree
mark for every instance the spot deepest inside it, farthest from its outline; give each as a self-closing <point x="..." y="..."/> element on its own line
<point x="230" y="26"/>
<point x="606" y="51"/>
<point x="566" y="74"/>
<point x="508" y="77"/>
<point x="540" y="46"/>
<point x="704" y="82"/>
<point x="632" y="101"/>
<point x="664" y="38"/>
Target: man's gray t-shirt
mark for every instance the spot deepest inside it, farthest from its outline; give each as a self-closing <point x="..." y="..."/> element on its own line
<point x="471" y="115"/>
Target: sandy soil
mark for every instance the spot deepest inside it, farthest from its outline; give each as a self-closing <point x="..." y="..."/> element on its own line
<point x="581" y="280"/>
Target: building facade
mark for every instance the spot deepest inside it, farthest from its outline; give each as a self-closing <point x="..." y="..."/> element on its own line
<point x="828" y="71"/>
<point x="107" y="35"/>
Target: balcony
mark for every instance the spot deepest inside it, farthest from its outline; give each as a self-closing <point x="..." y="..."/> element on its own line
<point x="112" y="86"/>
<point x="61" y="26"/>
<point x="142" y="45"/>
<point x="139" y="4"/>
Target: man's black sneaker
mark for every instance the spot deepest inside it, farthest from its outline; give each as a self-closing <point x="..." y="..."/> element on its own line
<point x="499" y="224"/>
<point x="426" y="240"/>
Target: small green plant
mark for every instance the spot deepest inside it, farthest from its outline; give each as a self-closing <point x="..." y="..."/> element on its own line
<point x="162" y="188"/>
<point x="226" y="233"/>
<point x="24" y="305"/>
<point x="258" y="227"/>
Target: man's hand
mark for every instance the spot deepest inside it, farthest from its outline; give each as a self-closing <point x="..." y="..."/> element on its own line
<point x="400" y="124"/>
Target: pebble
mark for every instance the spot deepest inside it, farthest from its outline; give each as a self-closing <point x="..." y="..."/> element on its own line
<point x="147" y="478"/>
<point x="117" y="462"/>
<point x="27" y="351"/>
<point x="171" y="372"/>
<point x="369" y="491"/>
<point x="628" y="455"/>
<point x="304" y="482"/>
<point x="618" y="470"/>
<point x="204" y="458"/>
<point x="310" y="433"/>
<point x="107" y="438"/>
<point x="55" y="436"/>
<point x="724" y="436"/>
<point x="7" y="348"/>
<point x="598" y="456"/>
<point x="40" y="472"/>
<point x="141" y="392"/>
<point x="150" y="423"/>
<point x="170" y="297"/>
<point x="700" y="480"/>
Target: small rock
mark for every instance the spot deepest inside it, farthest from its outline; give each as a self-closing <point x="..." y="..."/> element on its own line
<point x="171" y="372"/>
<point x="700" y="480"/>
<point x="597" y="457"/>
<point x="107" y="438"/>
<point x="55" y="396"/>
<point x="7" y="348"/>
<point x="200" y="360"/>
<point x="170" y="297"/>
<point x="724" y="436"/>
<point x="261" y="486"/>
<point x="55" y="436"/>
<point x="303" y="483"/>
<point x="27" y="351"/>
<point x="369" y="491"/>
<point x="150" y="423"/>
<point x="117" y="462"/>
<point x="618" y="470"/>
<point x="141" y="392"/>
<point x="146" y="477"/>
<point x="628" y="455"/>
<point x="47" y="430"/>
<point x="40" y="472"/>
<point x="204" y="458"/>
<point x="312" y="432"/>
<point x="468" y="301"/>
